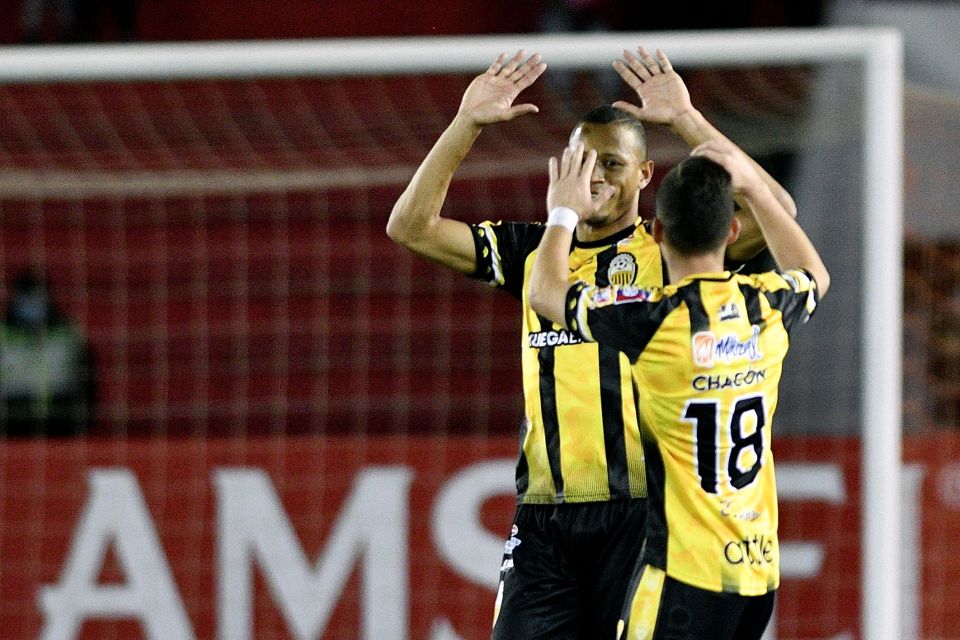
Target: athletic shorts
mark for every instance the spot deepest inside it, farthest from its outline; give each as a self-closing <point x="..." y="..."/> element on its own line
<point x="662" y="608"/>
<point x="566" y="570"/>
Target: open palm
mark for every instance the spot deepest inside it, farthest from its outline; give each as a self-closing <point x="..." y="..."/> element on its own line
<point x="663" y="95"/>
<point x="490" y="96"/>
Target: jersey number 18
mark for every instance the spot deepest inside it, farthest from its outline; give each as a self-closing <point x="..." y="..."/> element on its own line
<point x="704" y="415"/>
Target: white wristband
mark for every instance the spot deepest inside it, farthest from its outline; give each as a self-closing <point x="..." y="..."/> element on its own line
<point x="564" y="217"/>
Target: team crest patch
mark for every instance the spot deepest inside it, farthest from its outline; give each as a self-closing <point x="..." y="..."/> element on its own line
<point x="622" y="269"/>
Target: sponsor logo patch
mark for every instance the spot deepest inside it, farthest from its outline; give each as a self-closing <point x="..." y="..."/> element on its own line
<point x="708" y="349"/>
<point x="551" y="338"/>
<point x="758" y="550"/>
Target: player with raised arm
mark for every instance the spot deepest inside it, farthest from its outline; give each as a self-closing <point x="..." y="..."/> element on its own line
<point x="707" y="353"/>
<point x="580" y="475"/>
<point x="664" y="99"/>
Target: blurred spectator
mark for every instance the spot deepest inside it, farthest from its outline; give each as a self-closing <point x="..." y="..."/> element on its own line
<point x="34" y="16"/>
<point x="46" y="366"/>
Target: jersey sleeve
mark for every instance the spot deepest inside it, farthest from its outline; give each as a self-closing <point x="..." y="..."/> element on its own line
<point x="793" y="292"/>
<point x="623" y="317"/>
<point x="502" y="249"/>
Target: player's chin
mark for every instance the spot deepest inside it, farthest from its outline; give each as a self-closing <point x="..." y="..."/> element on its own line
<point x="599" y="222"/>
<point x="605" y="216"/>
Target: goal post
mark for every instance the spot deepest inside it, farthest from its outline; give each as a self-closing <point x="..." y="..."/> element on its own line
<point x="878" y="50"/>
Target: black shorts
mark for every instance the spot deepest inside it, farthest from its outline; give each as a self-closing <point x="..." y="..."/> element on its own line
<point x="566" y="570"/>
<point x="661" y="608"/>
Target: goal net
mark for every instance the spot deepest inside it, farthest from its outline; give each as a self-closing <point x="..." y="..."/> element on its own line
<point x="299" y="430"/>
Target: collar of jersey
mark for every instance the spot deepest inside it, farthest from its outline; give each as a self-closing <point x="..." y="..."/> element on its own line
<point x="609" y="240"/>
<point x="715" y="276"/>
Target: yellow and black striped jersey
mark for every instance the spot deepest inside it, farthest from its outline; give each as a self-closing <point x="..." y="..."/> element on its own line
<point x="707" y="355"/>
<point x="580" y="439"/>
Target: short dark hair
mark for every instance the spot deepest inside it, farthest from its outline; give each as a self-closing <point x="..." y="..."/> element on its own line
<point x="695" y="206"/>
<point x="607" y="114"/>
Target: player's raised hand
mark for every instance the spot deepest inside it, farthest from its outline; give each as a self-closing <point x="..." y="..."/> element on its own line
<point x="490" y="96"/>
<point x="743" y="177"/>
<point x="662" y="94"/>
<point x="570" y="179"/>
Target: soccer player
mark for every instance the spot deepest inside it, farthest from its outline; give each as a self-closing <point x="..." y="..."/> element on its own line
<point x="707" y="352"/>
<point x="580" y="478"/>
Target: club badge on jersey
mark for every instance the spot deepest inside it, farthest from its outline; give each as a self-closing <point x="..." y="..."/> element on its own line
<point x="622" y="269"/>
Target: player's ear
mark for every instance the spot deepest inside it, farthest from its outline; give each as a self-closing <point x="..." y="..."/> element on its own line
<point x="646" y="173"/>
<point x="656" y="230"/>
<point x="734" y="234"/>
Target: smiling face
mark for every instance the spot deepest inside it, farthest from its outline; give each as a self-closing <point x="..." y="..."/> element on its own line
<point x="621" y="164"/>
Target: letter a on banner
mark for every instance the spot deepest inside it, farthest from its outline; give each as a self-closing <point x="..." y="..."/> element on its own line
<point x="371" y="530"/>
<point x="115" y="514"/>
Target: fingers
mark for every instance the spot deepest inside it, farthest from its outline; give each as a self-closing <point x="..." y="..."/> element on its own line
<point x="637" y="66"/>
<point x="497" y="64"/>
<point x="643" y="65"/>
<point x="570" y="179"/>
<point x="516" y="68"/>
<point x="630" y="108"/>
<point x="711" y="153"/>
<point x="649" y="62"/>
<point x="586" y="168"/>
<point x="574" y="163"/>
<point x="504" y="68"/>
<point x="725" y="155"/>
<point x="711" y="150"/>
<point x="700" y="148"/>
<point x="520" y="110"/>
<point x="628" y="75"/>
<point x="513" y="64"/>
<point x="529" y="71"/>
<point x="521" y="72"/>
<point x="579" y="162"/>
<point x="715" y="146"/>
<point x="565" y="162"/>
<point x="605" y="194"/>
<point x="664" y="62"/>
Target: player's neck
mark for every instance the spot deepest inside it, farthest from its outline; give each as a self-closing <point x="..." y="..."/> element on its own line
<point x="680" y="267"/>
<point x="592" y="233"/>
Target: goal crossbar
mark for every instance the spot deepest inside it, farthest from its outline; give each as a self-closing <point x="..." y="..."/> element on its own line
<point x="387" y="56"/>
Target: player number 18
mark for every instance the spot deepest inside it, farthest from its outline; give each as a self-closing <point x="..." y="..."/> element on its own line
<point x="704" y="415"/>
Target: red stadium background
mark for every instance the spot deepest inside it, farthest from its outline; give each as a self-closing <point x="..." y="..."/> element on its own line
<point x="262" y="538"/>
<point x="305" y="432"/>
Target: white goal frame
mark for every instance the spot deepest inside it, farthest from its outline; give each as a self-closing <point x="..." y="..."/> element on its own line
<point x="879" y="50"/>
